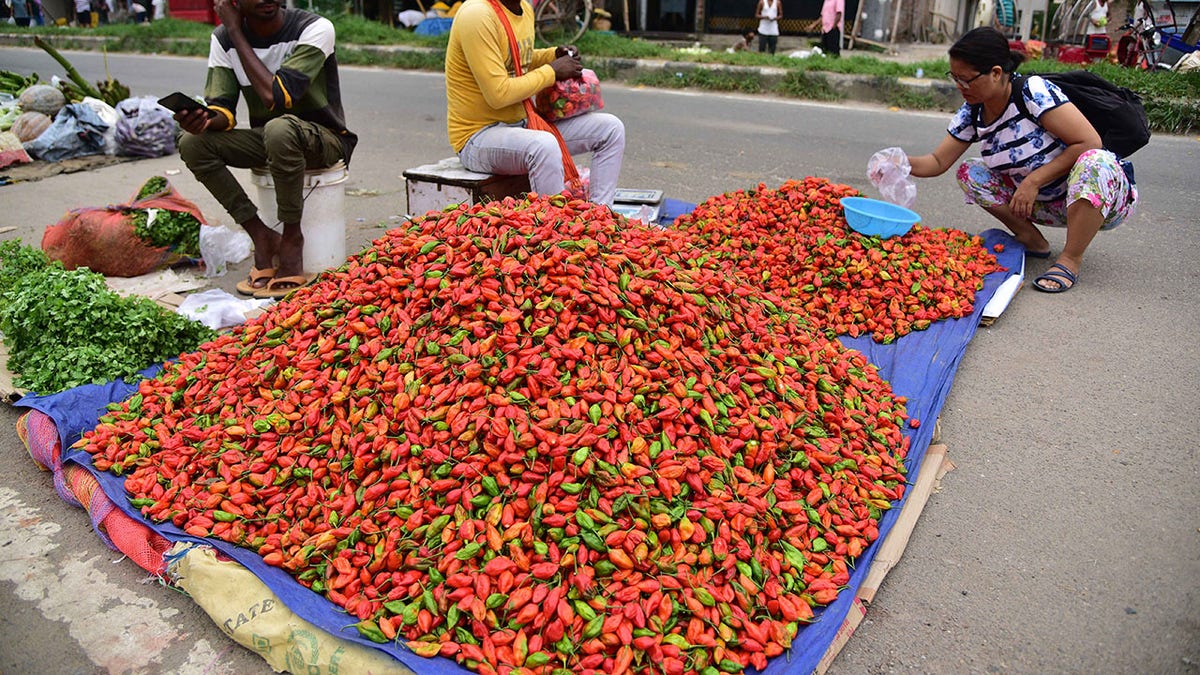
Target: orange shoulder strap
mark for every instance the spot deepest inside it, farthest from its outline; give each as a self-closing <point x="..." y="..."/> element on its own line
<point x="534" y="120"/>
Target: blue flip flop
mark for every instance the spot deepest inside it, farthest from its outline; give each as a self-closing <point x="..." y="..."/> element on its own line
<point x="1037" y="254"/>
<point x="1062" y="279"/>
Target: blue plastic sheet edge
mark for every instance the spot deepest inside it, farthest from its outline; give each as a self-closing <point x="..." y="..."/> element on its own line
<point x="434" y="26"/>
<point x="919" y="366"/>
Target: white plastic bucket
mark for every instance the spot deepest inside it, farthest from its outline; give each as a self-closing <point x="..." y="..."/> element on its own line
<point x="324" y="220"/>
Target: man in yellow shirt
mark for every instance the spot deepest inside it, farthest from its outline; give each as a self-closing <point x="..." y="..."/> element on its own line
<point x="485" y="114"/>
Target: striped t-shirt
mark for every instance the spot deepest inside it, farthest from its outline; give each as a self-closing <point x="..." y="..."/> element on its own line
<point x="1015" y="144"/>
<point x="301" y="57"/>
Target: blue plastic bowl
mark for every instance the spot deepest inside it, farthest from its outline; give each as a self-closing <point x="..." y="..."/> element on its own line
<point x="878" y="218"/>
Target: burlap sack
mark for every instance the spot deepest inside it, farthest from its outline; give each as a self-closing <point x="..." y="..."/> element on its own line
<point x="247" y="611"/>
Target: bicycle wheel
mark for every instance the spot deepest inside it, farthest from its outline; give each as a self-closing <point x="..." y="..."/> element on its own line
<point x="562" y="22"/>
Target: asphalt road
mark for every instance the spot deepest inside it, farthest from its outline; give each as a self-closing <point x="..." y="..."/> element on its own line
<point x="1066" y="540"/>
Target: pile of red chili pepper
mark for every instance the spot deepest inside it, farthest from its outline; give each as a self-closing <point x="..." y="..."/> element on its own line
<point x="534" y="438"/>
<point x="794" y="241"/>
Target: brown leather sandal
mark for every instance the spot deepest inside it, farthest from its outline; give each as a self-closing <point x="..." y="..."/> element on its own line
<point x="249" y="286"/>
<point x="280" y="287"/>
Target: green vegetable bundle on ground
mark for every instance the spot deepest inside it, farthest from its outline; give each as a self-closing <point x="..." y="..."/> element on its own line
<point x="155" y="228"/>
<point x="66" y="328"/>
<point x="176" y="230"/>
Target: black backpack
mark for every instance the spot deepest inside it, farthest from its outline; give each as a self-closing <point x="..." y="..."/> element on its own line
<point x="1115" y="112"/>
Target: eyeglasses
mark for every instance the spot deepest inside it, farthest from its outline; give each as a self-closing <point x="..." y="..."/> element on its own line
<point x="960" y="81"/>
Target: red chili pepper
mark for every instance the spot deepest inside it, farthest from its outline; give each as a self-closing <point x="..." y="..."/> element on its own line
<point x="500" y="403"/>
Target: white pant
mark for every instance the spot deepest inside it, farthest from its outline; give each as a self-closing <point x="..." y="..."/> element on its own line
<point x="511" y="149"/>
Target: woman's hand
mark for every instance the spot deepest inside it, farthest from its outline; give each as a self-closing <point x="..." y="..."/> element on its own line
<point x="1023" y="199"/>
<point x="887" y="161"/>
<point x="937" y="162"/>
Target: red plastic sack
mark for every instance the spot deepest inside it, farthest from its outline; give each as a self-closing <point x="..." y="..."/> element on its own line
<point x="78" y="487"/>
<point x="568" y="98"/>
<point x="103" y="238"/>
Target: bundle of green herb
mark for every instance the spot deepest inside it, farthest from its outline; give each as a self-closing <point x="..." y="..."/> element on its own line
<point x="178" y="231"/>
<point x="175" y="230"/>
<point x="66" y="328"/>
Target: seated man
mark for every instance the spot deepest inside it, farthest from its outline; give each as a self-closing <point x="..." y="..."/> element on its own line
<point x="282" y="60"/>
<point x="485" y="114"/>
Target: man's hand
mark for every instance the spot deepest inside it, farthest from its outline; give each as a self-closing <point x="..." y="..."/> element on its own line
<point x="193" y="121"/>
<point x="566" y="67"/>
<point x="228" y="13"/>
<point x="567" y="50"/>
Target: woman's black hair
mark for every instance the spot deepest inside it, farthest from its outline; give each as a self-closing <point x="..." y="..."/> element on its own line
<point x="985" y="48"/>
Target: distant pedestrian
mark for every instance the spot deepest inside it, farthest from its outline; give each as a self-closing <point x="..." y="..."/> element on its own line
<point x="35" y="10"/>
<point x="832" y="23"/>
<point x="83" y="13"/>
<point x="768" y="13"/>
<point x="20" y="13"/>
<point x="1098" y="15"/>
<point x="1005" y="19"/>
<point x="102" y="8"/>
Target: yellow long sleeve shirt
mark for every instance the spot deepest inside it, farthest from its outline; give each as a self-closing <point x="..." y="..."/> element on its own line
<point x="481" y="85"/>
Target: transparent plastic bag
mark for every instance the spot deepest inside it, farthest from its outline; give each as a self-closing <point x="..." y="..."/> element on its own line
<point x="218" y="309"/>
<point x="108" y="115"/>
<point x="144" y="128"/>
<point x="77" y="130"/>
<point x="568" y="98"/>
<point x="889" y="171"/>
<point x="220" y="246"/>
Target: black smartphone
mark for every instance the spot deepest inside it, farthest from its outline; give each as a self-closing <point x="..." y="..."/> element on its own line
<point x="179" y="102"/>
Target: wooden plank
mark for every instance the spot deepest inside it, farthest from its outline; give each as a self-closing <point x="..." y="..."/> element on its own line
<point x="933" y="467"/>
<point x="882" y="45"/>
<point x="449" y="171"/>
<point x="855" y="616"/>
<point x="897" y="540"/>
<point x="9" y="392"/>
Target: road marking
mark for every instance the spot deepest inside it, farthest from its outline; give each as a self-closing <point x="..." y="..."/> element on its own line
<point x="119" y="630"/>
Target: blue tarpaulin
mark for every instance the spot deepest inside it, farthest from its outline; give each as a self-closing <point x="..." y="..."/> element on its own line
<point x="434" y="26"/>
<point x="920" y="366"/>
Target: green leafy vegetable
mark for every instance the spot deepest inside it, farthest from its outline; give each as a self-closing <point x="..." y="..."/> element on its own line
<point x="173" y="229"/>
<point x="66" y="328"/>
